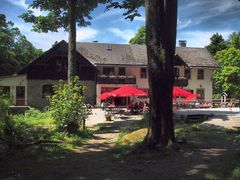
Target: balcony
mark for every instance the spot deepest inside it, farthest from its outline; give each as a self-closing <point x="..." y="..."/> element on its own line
<point x="181" y="81"/>
<point x="112" y="79"/>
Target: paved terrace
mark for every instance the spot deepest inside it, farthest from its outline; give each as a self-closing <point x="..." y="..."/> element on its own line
<point x="225" y="117"/>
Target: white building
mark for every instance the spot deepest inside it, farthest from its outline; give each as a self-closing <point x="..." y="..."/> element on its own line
<point x="104" y="67"/>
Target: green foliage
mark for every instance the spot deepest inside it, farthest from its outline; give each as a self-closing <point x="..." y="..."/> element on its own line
<point x="67" y="106"/>
<point x="131" y="7"/>
<point x="234" y="40"/>
<point x="237" y="139"/>
<point x="140" y="37"/>
<point x="235" y="174"/>
<point x="217" y="43"/>
<point x="228" y="78"/>
<point x="20" y="130"/>
<point x="35" y="127"/>
<point x="57" y="14"/>
<point x="15" y="50"/>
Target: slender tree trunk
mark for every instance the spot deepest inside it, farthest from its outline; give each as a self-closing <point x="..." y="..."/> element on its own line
<point x="71" y="39"/>
<point x="161" y="18"/>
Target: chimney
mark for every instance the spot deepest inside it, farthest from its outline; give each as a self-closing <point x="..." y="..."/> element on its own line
<point x="182" y="43"/>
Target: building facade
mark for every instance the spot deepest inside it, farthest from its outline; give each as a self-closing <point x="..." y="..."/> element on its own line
<point x="105" y="67"/>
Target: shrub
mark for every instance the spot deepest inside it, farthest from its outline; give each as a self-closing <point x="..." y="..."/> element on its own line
<point x="7" y="126"/>
<point x="67" y="105"/>
<point x="235" y="173"/>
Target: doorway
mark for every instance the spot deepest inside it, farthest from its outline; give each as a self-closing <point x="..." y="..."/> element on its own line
<point x="20" y="96"/>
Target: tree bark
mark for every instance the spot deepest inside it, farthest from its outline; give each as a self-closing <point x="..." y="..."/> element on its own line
<point x="161" y="19"/>
<point x="71" y="39"/>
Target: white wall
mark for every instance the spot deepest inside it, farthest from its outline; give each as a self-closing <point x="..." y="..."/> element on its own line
<point x="13" y="81"/>
<point x="205" y="84"/>
<point x="142" y="83"/>
<point x="193" y="83"/>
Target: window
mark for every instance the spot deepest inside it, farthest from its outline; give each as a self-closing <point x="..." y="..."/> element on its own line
<point x="121" y="71"/>
<point x="143" y="73"/>
<point x="47" y="90"/>
<point x="200" y="93"/>
<point x="200" y="74"/>
<point x="176" y="72"/>
<point x="187" y="73"/>
<point x="108" y="70"/>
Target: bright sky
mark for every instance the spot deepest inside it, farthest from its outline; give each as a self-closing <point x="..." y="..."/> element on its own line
<point x="197" y="21"/>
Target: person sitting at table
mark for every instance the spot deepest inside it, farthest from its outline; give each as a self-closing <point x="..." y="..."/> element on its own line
<point x="141" y="104"/>
<point x="103" y="105"/>
<point x="146" y="107"/>
<point x="135" y="108"/>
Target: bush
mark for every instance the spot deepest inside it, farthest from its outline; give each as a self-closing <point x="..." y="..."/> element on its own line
<point x="67" y="106"/>
<point x="235" y="173"/>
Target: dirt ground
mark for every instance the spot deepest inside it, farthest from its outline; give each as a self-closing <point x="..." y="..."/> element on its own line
<point x="199" y="158"/>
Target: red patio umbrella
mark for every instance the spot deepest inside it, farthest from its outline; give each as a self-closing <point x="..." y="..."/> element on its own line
<point x="177" y="91"/>
<point x="126" y="91"/>
<point x="191" y="97"/>
<point x="104" y="96"/>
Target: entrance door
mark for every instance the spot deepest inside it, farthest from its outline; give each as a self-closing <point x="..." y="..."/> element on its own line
<point x="20" y="95"/>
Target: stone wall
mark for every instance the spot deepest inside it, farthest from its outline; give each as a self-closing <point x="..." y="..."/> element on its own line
<point x="34" y="94"/>
<point x="35" y="98"/>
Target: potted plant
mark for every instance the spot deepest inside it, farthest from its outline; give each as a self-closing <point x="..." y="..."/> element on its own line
<point x="122" y="77"/>
<point x="112" y="76"/>
<point x="108" y="116"/>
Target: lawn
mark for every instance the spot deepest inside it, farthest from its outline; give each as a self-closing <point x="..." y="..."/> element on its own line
<point x="205" y="152"/>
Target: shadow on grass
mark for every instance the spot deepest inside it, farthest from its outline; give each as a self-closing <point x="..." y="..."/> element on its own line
<point x="198" y="159"/>
<point x="125" y="124"/>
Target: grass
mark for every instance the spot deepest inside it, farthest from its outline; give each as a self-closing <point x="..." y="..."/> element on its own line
<point x="36" y="127"/>
<point x="199" y="136"/>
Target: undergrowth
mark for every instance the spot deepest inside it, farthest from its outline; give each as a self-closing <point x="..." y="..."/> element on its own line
<point x="35" y="127"/>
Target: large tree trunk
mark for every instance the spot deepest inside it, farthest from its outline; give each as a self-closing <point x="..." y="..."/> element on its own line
<point x="161" y="18"/>
<point x="71" y="39"/>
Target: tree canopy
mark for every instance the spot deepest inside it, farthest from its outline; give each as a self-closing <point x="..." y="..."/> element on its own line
<point x="234" y="40"/>
<point x="15" y="50"/>
<point x="62" y="14"/>
<point x="140" y="37"/>
<point x="217" y="43"/>
<point x="57" y="14"/>
<point x="228" y="78"/>
<point x="226" y="53"/>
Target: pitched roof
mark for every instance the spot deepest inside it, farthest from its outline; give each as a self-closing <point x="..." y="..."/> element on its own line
<point x="196" y="57"/>
<point x="99" y="53"/>
<point x="123" y="54"/>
